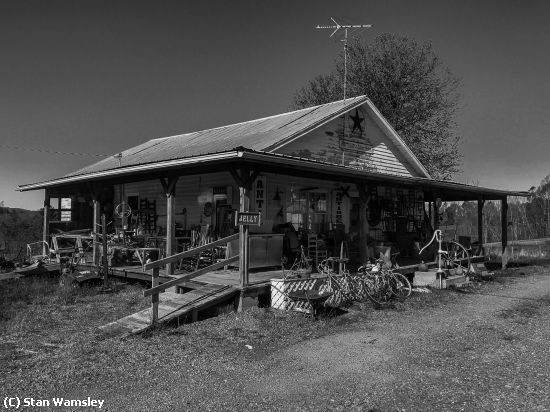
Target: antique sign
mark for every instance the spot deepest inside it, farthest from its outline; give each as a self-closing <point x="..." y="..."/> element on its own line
<point x="248" y="219"/>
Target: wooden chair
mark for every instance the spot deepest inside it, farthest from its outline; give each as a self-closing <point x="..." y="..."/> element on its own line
<point x="314" y="250"/>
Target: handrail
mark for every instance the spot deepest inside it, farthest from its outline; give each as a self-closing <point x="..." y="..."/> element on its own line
<point x="188" y="253"/>
<point x="161" y="288"/>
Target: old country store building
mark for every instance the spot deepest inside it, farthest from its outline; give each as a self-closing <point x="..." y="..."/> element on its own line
<point x="319" y="176"/>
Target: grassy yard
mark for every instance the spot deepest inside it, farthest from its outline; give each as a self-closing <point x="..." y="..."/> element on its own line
<point x="50" y="344"/>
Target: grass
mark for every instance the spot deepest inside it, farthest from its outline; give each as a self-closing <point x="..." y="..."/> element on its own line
<point x="49" y="337"/>
<point x="38" y="307"/>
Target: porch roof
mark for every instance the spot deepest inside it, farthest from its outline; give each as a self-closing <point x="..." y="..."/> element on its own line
<point x="282" y="164"/>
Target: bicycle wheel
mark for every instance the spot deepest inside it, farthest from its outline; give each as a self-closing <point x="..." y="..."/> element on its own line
<point x="378" y="290"/>
<point x="401" y="287"/>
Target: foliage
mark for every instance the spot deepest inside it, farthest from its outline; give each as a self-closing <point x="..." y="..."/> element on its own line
<point x="411" y="87"/>
<point x="17" y="228"/>
<point x="528" y="218"/>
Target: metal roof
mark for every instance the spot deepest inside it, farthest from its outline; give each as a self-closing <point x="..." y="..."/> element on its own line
<point x="257" y="141"/>
<point x="260" y="134"/>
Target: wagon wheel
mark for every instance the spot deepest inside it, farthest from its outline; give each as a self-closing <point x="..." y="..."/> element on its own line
<point x="458" y="258"/>
<point x="123" y="210"/>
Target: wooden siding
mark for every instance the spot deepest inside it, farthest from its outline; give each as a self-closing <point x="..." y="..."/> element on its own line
<point x="192" y="192"/>
<point x="354" y="140"/>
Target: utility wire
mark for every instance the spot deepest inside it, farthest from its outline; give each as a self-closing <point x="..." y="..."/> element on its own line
<point x="30" y="149"/>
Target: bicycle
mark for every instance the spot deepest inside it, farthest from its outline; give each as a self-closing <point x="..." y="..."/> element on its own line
<point x="344" y="287"/>
<point x="382" y="283"/>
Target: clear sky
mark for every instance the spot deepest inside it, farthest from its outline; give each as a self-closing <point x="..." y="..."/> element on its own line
<point x="93" y="76"/>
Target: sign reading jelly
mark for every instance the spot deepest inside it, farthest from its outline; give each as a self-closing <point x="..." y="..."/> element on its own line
<point x="248" y="219"/>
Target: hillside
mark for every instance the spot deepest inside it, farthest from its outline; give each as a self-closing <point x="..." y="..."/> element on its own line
<point x="17" y="228"/>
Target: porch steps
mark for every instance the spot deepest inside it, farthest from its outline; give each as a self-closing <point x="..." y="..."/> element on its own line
<point x="171" y="307"/>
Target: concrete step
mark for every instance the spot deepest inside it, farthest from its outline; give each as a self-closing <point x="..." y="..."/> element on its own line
<point x="430" y="279"/>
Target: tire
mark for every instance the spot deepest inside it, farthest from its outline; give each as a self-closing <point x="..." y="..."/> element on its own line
<point x="401" y="286"/>
<point x="378" y="291"/>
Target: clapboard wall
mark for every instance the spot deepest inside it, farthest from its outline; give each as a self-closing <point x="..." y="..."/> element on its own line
<point x="353" y="140"/>
<point x="193" y="192"/>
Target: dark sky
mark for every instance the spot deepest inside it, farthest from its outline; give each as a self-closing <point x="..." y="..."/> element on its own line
<point x="100" y="76"/>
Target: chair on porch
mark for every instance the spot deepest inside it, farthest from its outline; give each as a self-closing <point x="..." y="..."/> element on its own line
<point x="198" y="238"/>
<point x="316" y="249"/>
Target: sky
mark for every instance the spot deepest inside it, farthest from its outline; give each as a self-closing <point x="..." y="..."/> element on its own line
<point x="96" y="77"/>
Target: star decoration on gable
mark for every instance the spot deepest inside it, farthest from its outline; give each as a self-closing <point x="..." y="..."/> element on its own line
<point x="357" y="120"/>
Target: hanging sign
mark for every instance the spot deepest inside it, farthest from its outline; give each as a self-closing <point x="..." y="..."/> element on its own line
<point x="248" y="219"/>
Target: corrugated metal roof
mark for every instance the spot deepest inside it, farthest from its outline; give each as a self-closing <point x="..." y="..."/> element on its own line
<point x="259" y="135"/>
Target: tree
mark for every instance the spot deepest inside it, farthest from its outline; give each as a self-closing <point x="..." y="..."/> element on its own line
<point x="411" y="87"/>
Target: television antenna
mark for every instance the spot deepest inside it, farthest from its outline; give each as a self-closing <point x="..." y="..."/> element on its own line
<point x="337" y="26"/>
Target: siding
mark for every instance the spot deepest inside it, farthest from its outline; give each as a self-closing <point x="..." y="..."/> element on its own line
<point x="354" y="140"/>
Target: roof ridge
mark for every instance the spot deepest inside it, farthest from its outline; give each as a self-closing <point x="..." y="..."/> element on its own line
<point x="310" y="109"/>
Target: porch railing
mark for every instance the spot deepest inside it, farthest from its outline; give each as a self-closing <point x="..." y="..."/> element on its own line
<point x="156" y="265"/>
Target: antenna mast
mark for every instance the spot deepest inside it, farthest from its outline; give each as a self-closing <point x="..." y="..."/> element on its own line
<point x="337" y="27"/>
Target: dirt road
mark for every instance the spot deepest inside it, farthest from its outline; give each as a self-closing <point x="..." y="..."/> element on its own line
<point x="488" y="350"/>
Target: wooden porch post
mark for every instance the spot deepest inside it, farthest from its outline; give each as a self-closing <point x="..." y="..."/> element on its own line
<point x="430" y="213"/>
<point x="504" y="223"/>
<point x="96" y="218"/>
<point x="46" y="227"/>
<point x="436" y="215"/>
<point x="170" y="190"/>
<point x="155" y="297"/>
<point x="244" y="206"/>
<point x="94" y="190"/>
<point x="363" y="222"/>
<point x="244" y="179"/>
<point x="480" y="204"/>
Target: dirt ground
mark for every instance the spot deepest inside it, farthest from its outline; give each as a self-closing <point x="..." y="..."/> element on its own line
<point x="481" y="348"/>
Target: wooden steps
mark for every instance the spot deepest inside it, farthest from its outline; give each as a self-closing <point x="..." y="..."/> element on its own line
<point x="171" y="307"/>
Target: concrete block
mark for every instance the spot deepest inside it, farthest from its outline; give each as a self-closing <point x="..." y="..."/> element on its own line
<point x="452" y="281"/>
<point x="424" y="278"/>
<point x="430" y="279"/>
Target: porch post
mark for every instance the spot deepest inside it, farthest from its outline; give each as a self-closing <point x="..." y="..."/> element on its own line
<point x="46" y="223"/>
<point x="170" y="190"/>
<point x="95" y="249"/>
<point x="436" y="215"/>
<point x="504" y="223"/>
<point x="244" y="179"/>
<point x="244" y="247"/>
<point x="430" y="213"/>
<point x="363" y="222"/>
<point x="480" y="204"/>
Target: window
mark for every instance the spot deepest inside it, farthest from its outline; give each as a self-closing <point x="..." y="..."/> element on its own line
<point x="308" y="210"/>
<point x="61" y="209"/>
<point x="317" y="216"/>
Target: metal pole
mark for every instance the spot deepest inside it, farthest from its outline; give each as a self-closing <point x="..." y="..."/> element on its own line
<point x="337" y="27"/>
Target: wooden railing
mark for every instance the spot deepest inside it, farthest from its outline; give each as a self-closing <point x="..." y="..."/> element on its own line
<point x="156" y="265"/>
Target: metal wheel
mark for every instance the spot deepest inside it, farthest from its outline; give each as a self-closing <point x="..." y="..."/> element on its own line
<point x="457" y="258"/>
